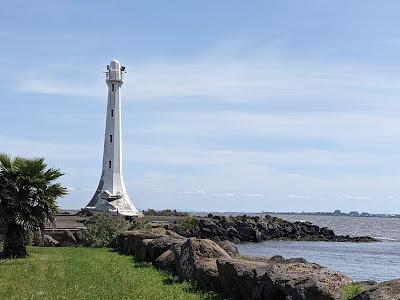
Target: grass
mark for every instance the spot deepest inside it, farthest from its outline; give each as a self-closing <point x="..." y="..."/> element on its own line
<point x="352" y="290"/>
<point x="87" y="273"/>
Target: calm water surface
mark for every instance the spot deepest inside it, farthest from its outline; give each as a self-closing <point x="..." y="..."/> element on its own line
<point x="361" y="261"/>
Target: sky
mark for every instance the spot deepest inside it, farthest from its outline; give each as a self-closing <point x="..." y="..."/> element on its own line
<point x="227" y="105"/>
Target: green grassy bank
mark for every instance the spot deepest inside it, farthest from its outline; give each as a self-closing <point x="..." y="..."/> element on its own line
<point x="86" y="273"/>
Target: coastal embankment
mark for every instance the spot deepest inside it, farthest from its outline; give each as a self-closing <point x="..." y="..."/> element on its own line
<point x="219" y="267"/>
<point x="201" y="249"/>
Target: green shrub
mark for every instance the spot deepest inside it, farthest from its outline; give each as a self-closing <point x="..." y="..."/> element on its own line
<point x="190" y="224"/>
<point x="165" y="212"/>
<point x="102" y="229"/>
<point x="352" y="290"/>
<point x="139" y="224"/>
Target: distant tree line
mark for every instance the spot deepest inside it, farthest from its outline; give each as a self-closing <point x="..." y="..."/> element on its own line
<point x="165" y="212"/>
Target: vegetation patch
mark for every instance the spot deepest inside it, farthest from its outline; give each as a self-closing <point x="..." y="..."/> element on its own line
<point x="87" y="273"/>
<point x="139" y="223"/>
<point x="102" y="230"/>
<point x="165" y="212"/>
<point x="190" y="224"/>
<point x="352" y="290"/>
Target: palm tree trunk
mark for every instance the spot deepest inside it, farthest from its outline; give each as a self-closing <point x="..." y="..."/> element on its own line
<point x="14" y="241"/>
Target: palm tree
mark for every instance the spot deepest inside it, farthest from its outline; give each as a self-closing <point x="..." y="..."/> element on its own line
<point x="28" y="194"/>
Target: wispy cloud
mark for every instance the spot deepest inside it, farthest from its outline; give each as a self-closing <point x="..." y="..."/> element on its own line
<point x="357" y="197"/>
<point x="37" y="148"/>
<point x="297" y="196"/>
<point x="223" y="194"/>
<point x="194" y="192"/>
<point x="221" y="77"/>
<point x="254" y="195"/>
<point x="356" y="128"/>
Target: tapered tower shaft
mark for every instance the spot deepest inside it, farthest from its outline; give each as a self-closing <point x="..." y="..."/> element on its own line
<point x="111" y="195"/>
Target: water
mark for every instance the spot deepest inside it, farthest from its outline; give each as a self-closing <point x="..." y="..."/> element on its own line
<point x="361" y="261"/>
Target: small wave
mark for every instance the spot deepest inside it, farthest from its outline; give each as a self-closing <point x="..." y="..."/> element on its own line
<point x="385" y="238"/>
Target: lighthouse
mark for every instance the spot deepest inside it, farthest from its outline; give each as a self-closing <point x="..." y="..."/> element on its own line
<point x="111" y="195"/>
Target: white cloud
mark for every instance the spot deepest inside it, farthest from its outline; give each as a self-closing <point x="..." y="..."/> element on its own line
<point x="194" y="192"/>
<point x="226" y="76"/>
<point x="363" y="128"/>
<point x="254" y="195"/>
<point x="357" y="197"/>
<point x="297" y="196"/>
<point x="52" y="150"/>
<point x="223" y="194"/>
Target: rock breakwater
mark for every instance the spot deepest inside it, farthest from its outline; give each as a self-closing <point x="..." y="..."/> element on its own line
<point x="256" y="229"/>
<point x="212" y="268"/>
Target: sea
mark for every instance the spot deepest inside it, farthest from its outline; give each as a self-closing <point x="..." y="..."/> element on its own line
<point x="378" y="261"/>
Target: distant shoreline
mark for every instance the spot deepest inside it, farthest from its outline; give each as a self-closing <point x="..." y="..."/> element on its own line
<point x="331" y="214"/>
<point x="362" y="215"/>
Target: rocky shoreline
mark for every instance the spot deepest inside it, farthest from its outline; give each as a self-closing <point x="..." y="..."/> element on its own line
<point x="219" y="267"/>
<point x="203" y="250"/>
<point x="256" y="229"/>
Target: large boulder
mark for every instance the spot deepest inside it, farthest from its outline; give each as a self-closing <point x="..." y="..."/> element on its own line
<point x="48" y="241"/>
<point x="68" y="239"/>
<point x="388" y="290"/>
<point x="150" y="249"/>
<point x="65" y="238"/>
<point x="166" y="261"/>
<point x="197" y="262"/>
<point x="243" y="279"/>
<point x="130" y="242"/>
<point x="159" y="245"/>
<point x="229" y="247"/>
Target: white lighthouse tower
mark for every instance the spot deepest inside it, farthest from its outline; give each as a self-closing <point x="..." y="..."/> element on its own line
<point x="111" y="195"/>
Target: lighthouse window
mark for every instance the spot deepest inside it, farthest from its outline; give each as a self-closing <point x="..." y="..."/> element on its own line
<point x="112" y="113"/>
<point x="110" y="138"/>
<point x="112" y="87"/>
<point x="109" y="164"/>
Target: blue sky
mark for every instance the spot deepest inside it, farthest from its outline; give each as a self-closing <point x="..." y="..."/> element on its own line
<point x="227" y="105"/>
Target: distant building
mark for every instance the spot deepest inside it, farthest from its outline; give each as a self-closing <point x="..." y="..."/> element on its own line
<point x="337" y="212"/>
<point x="354" y="213"/>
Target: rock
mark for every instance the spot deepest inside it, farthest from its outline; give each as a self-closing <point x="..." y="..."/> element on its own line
<point x="229" y="247"/>
<point x="65" y="238"/>
<point x="162" y="244"/>
<point x="48" y="241"/>
<point x="166" y="261"/>
<point x="197" y="262"/>
<point x="388" y="290"/>
<point x="128" y="242"/>
<point x="79" y="236"/>
<point x="231" y="231"/>
<point x="277" y="259"/>
<point x="68" y="239"/>
<point x="256" y="229"/>
<point x="142" y="250"/>
<point x="242" y="279"/>
<point x="150" y="249"/>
